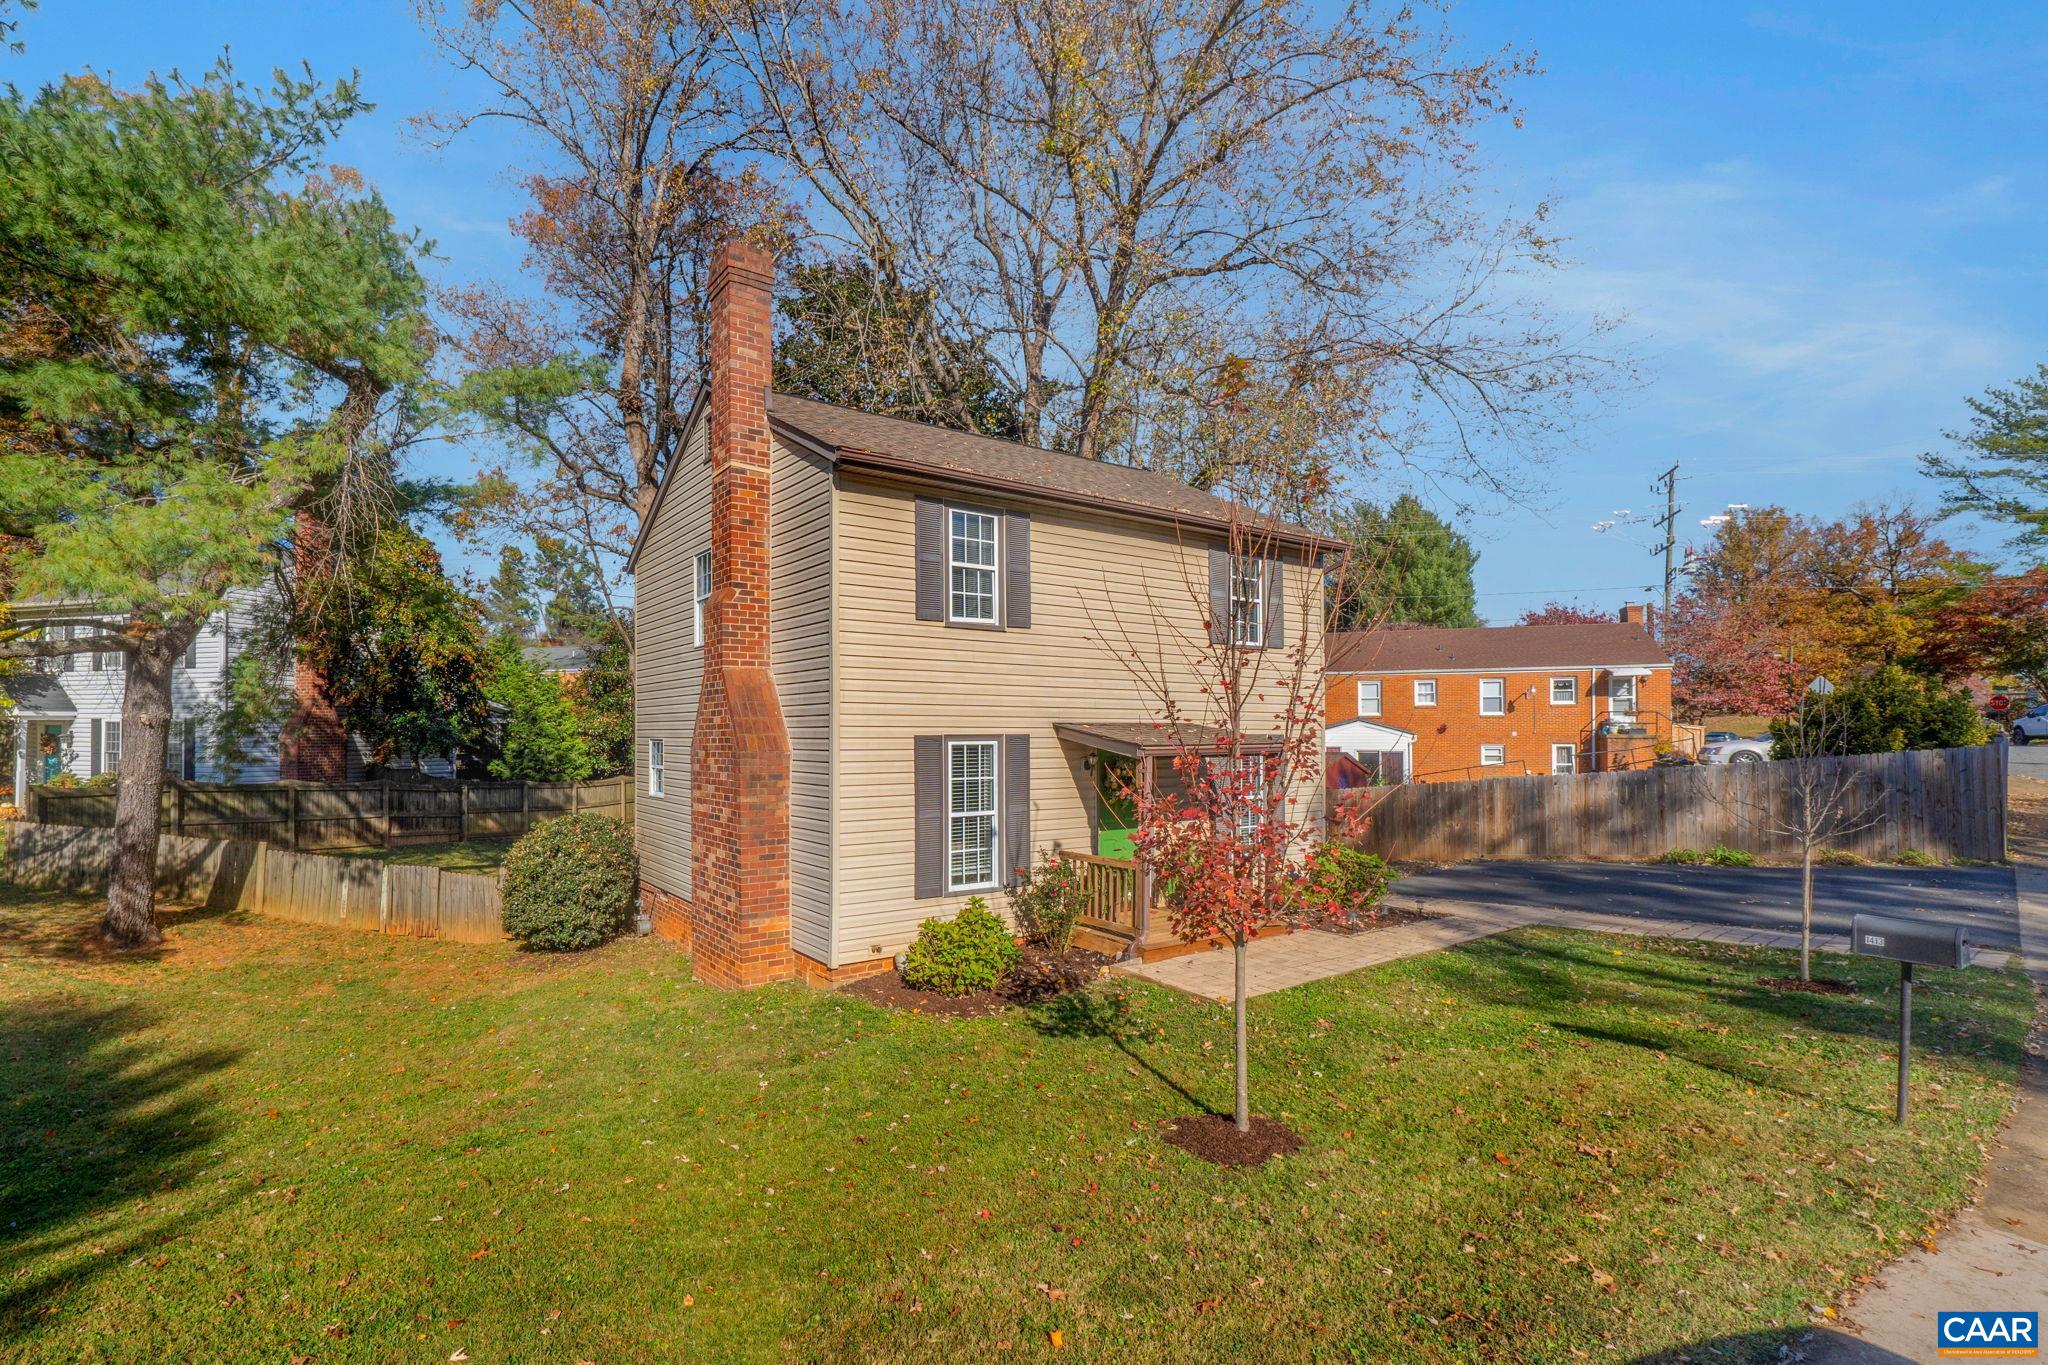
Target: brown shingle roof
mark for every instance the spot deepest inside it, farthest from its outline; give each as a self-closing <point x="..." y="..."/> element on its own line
<point x="891" y="444"/>
<point x="1422" y="649"/>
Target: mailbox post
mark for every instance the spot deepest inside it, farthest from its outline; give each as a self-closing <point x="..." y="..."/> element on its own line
<point x="1930" y="943"/>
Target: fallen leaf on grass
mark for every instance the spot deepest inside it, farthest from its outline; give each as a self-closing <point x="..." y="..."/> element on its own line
<point x="1058" y="1339"/>
<point x="1602" y="1280"/>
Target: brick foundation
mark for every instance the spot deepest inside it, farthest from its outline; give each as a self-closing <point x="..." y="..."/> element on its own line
<point x="671" y="915"/>
<point x="815" y="973"/>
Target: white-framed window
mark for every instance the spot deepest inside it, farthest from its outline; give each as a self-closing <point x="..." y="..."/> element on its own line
<point x="1564" y="691"/>
<point x="657" y="775"/>
<point x="1247" y="602"/>
<point x="1493" y="698"/>
<point x="1368" y="698"/>
<point x="1621" y="696"/>
<point x="1493" y="755"/>
<point x="1425" y="691"/>
<point x="700" y="594"/>
<point x="970" y="814"/>
<point x="971" y="567"/>
<point x="1564" y="758"/>
<point x="110" y="747"/>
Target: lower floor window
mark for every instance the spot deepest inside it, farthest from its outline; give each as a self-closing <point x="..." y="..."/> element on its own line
<point x="970" y="814"/>
<point x="1493" y="755"/>
<point x="1564" y="758"/>
<point x="110" y="755"/>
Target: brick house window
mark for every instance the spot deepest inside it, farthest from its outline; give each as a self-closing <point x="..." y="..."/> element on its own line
<point x="1564" y="758"/>
<point x="1621" y="696"/>
<point x="701" y="593"/>
<point x="1564" y="691"/>
<point x="657" y="776"/>
<point x="1493" y="698"/>
<point x="971" y="568"/>
<point x="1368" y="699"/>
<point x="1493" y="755"/>
<point x="970" y="815"/>
<point x="1425" y="691"/>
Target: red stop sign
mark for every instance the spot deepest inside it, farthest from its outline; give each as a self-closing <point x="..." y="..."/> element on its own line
<point x="1999" y="703"/>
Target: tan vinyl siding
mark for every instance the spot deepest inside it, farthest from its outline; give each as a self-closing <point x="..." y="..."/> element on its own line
<point x="1104" y="592"/>
<point x="800" y="642"/>
<point x="668" y="667"/>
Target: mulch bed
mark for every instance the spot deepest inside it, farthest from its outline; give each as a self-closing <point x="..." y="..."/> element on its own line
<point x="1386" y="917"/>
<point x="1215" y="1139"/>
<point x="1039" y="975"/>
<point x="1817" y="986"/>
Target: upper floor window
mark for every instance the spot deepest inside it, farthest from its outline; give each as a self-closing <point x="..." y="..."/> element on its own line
<point x="1368" y="698"/>
<point x="1493" y="696"/>
<point x="701" y="594"/>
<point x="1621" y="696"/>
<point x="971" y="567"/>
<point x="1247" y="602"/>
<point x="1425" y="691"/>
<point x="1564" y="691"/>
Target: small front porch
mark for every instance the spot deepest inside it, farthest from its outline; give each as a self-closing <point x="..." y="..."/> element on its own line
<point x="43" y="714"/>
<point x="1126" y="915"/>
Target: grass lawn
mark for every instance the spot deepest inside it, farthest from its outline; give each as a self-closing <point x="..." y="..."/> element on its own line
<point x="273" y="1141"/>
<point x="471" y="855"/>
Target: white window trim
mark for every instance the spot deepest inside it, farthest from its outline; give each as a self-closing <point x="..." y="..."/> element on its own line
<point x="1378" y="697"/>
<point x="1501" y="702"/>
<point x="657" y="769"/>
<point x="1248" y="629"/>
<point x="110" y="747"/>
<point x="1429" y="683"/>
<point x="1570" y="753"/>
<point x="1500" y="762"/>
<point x="700" y="593"/>
<point x="994" y="568"/>
<point x="994" y="814"/>
<point x="1571" y="682"/>
<point x="1635" y="697"/>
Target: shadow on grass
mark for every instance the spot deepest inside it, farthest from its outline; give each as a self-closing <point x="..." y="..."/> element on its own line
<point x="99" y="1115"/>
<point x="64" y="925"/>
<point x="1098" y="1013"/>
<point x="1824" y="1346"/>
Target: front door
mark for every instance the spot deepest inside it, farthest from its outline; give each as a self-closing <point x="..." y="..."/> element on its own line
<point x="46" y="758"/>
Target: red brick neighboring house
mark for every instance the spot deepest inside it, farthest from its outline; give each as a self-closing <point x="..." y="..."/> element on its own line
<point x="1424" y="704"/>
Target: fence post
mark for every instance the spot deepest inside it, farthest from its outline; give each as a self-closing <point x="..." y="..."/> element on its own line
<point x="292" y="795"/>
<point x="525" y="806"/>
<point x="462" y="818"/>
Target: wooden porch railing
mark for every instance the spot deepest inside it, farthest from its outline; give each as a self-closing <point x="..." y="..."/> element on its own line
<point x="1111" y="889"/>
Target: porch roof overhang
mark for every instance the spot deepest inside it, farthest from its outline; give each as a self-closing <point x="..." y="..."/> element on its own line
<point x="1627" y="670"/>
<point x="37" y="696"/>
<point x="1152" y="739"/>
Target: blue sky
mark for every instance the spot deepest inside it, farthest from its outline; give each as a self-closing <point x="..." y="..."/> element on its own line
<point x="1820" y="225"/>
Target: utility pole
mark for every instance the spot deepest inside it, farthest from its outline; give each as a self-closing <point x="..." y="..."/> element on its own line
<point x="1669" y="521"/>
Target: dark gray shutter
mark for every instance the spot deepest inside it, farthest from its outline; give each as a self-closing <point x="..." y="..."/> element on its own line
<point x="93" y="759"/>
<point x="929" y="808"/>
<point x="1017" y="570"/>
<point x="1276" y="604"/>
<point x="1219" y="596"/>
<point x="931" y="560"/>
<point x="1016" y="807"/>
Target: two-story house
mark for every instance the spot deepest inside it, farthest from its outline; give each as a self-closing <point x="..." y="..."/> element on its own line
<point x="880" y="666"/>
<point x="1429" y="704"/>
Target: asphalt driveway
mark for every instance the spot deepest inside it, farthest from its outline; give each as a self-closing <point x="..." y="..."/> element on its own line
<point x="1750" y="897"/>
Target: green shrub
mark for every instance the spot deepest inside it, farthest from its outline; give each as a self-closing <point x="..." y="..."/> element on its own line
<point x="1720" y="855"/>
<point x="1049" y="901"/>
<point x="971" y="952"/>
<point x="570" y="883"/>
<point x="1682" y="855"/>
<point x="1913" y="857"/>
<point x="1347" y="879"/>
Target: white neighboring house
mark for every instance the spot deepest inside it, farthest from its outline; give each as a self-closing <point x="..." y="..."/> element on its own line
<point x="74" y="700"/>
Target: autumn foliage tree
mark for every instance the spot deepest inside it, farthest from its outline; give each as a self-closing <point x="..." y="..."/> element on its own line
<point x="1564" y="614"/>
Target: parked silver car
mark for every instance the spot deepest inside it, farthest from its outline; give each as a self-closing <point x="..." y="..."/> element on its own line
<point x="2031" y="726"/>
<point x="1733" y="750"/>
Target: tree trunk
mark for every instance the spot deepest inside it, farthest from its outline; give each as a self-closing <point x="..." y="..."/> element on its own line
<point x="1244" y="1090"/>
<point x="139" y="794"/>
<point x="1806" y="913"/>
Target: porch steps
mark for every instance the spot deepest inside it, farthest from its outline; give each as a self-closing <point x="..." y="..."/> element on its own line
<point x="1162" y="943"/>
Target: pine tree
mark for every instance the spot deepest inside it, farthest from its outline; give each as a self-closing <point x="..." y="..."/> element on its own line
<point x="1405" y="566"/>
<point x="508" y="599"/>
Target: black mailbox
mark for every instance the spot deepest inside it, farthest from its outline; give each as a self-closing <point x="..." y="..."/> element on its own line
<point x="1931" y="943"/>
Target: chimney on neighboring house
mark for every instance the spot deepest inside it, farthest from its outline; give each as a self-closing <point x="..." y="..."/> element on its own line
<point x="739" y="757"/>
<point x="1636" y="614"/>
<point x="313" y="746"/>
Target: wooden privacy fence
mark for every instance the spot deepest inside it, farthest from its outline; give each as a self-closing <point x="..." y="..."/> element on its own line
<point x="234" y="874"/>
<point x="305" y="816"/>
<point x="1949" y="803"/>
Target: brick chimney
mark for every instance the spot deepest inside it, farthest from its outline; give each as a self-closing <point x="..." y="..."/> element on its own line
<point x="1636" y="614"/>
<point x="739" y="756"/>
<point x="313" y="746"/>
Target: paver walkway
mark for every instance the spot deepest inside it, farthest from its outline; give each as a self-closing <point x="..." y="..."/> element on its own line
<point x="1274" y="964"/>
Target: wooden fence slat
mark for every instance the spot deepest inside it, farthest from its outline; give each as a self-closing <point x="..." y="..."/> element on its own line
<point x="1948" y="803"/>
